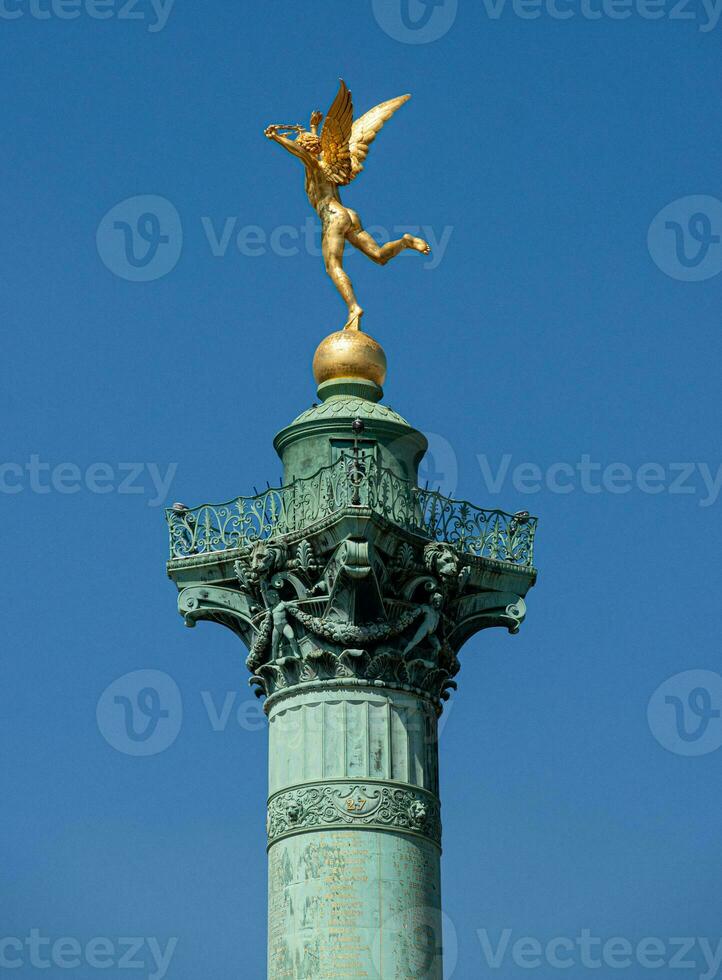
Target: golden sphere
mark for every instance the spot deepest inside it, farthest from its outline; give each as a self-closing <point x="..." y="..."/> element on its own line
<point x="349" y="354"/>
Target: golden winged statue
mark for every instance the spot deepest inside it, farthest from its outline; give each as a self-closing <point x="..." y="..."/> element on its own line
<point x="332" y="160"/>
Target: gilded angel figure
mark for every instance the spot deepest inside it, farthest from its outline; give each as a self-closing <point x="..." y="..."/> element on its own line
<point x="333" y="159"/>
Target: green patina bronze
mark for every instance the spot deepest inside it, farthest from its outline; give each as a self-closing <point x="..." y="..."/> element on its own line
<point x="353" y="590"/>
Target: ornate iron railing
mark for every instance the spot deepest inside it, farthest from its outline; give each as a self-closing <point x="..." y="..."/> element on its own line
<point x="351" y="481"/>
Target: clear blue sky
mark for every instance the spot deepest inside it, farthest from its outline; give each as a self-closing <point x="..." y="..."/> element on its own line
<point x="541" y="150"/>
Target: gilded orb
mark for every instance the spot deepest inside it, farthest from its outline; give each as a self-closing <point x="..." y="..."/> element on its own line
<point x="349" y="354"/>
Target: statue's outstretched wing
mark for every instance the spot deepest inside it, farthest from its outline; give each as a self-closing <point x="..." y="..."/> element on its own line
<point x="345" y="143"/>
<point x="336" y="136"/>
<point x="364" y="130"/>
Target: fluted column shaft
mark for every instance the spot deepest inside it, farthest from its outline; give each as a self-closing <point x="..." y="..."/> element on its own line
<point x="354" y="835"/>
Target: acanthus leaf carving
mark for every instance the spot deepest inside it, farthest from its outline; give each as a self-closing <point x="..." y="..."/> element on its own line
<point x="315" y="608"/>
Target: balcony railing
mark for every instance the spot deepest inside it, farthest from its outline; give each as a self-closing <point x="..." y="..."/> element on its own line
<point x="352" y="481"/>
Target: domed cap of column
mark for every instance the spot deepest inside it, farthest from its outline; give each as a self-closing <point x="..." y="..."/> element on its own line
<point x="350" y="354"/>
<point x="349" y="367"/>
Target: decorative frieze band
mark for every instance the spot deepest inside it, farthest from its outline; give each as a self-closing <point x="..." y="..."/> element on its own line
<point x="372" y="805"/>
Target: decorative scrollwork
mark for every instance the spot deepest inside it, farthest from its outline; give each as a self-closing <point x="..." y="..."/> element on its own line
<point x="347" y="804"/>
<point x="245" y="520"/>
<point x="390" y="610"/>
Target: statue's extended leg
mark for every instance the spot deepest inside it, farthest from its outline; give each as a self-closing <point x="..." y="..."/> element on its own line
<point x="335" y="227"/>
<point x="291" y="637"/>
<point x="276" y="643"/>
<point x="384" y="253"/>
